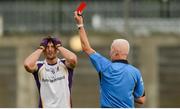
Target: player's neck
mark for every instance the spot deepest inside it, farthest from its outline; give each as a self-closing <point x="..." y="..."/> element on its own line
<point x="52" y="61"/>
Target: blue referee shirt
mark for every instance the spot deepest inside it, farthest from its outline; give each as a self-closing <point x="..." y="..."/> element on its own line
<point x="120" y="82"/>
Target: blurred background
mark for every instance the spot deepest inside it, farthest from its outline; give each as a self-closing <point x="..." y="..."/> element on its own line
<point x="151" y="26"/>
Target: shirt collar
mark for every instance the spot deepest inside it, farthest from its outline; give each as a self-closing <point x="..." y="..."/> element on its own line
<point x="121" y="61"/>
<point x="52" y="64"/>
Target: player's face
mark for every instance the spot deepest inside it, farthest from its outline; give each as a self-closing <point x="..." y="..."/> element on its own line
<point x="50" y="51"/>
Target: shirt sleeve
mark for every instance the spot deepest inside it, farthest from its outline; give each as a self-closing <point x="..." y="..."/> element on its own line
<point x="99" y="62"/>
<point x="139" y="88"/>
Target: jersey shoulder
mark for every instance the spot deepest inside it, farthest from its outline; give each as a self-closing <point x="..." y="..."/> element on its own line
<point x="39" y="65"/>
<point x="134" y="70"/>
<point x="62" y="60"/>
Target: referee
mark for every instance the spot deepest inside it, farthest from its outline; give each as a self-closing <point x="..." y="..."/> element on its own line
<point x="121" y="84"/>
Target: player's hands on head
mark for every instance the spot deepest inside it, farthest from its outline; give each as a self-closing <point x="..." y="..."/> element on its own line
<point x="57" y="42"/>
<point x="43" y="43"/>
<point x="78" y="17"/>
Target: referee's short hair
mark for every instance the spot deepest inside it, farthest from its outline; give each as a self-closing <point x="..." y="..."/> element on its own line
<point x="121" y="45"/>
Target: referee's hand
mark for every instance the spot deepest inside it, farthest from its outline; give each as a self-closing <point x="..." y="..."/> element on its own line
<point x="78" y="17"/>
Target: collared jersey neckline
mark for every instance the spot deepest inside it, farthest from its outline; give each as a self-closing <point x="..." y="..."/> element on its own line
<point x="121" y="60"/>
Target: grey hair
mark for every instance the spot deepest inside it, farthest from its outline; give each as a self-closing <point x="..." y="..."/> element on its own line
<point x="121" y="45"/>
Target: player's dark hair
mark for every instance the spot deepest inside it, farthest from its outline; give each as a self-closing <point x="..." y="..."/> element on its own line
<point x="50" y="39"/>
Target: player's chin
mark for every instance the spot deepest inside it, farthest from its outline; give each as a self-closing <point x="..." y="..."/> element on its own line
<point x="51" y="57"/>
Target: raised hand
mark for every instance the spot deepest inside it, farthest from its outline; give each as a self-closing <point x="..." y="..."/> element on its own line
<point x="78" y="17"/>
<point x="43" y="43"/>
<point x="56" y="42"/>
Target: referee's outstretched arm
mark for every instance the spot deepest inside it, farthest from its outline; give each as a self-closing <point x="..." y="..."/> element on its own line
<point x="83" y="36"/>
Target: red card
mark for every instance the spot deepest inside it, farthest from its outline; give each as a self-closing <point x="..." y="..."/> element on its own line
<point x="81" y="7"/>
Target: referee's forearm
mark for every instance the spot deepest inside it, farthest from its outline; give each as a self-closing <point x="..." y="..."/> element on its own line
<point x="83" y="37"/>
<point x="84" y="41"/>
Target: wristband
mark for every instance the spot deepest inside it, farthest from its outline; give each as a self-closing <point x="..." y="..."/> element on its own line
<point x="79" y="14"/>
<point x="79" y="25"/>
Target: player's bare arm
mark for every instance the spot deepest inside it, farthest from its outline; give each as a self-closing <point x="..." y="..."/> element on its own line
<point x="30" y="62"/>
<point x="71" y="58"/>
<point x="83" y="36"/>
